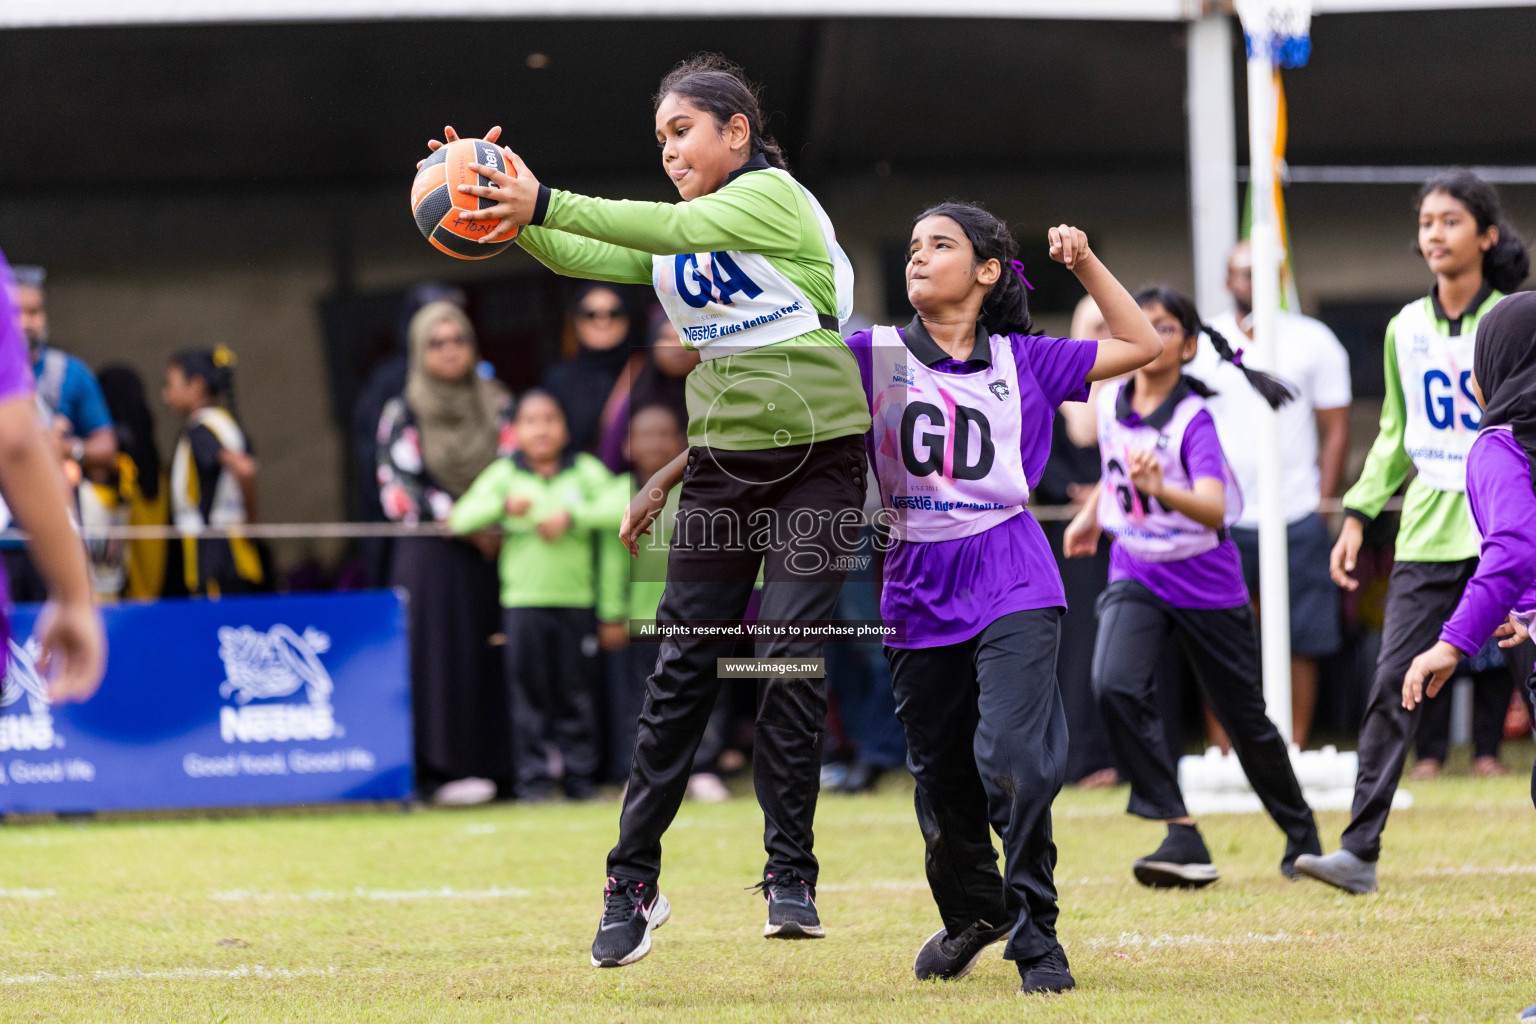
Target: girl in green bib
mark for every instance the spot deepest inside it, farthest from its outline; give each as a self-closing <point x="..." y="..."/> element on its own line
<point x="1429" y="420"/>
<point x="749" y="271"/>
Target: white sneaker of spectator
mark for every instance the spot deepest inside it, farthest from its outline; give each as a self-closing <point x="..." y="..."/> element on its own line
<point x="707" y="788"/>
<point x="465" y="793"/>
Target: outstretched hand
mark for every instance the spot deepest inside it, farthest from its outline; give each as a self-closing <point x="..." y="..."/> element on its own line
<point x="515" y="196"/>
<point x="1428" y="673"/>
<point x="1513" y="632"/>
<point x="449" y="135"/>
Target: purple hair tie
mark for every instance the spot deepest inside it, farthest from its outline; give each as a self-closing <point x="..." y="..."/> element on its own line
<point x="1237" y="358"/>
<point x="1018" y="268"/>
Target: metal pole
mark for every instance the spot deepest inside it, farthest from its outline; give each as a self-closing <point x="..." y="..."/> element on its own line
<point x="1212" y="155"/>
<point x="1274" y="583"/>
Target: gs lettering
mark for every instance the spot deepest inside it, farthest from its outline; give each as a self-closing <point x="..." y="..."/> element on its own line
<point x="1440" y="401"/>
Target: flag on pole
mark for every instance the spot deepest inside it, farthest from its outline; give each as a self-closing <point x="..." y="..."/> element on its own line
<point x="1288" y="298"/>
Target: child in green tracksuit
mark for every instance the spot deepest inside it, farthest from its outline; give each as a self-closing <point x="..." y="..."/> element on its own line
<point x="562" y="569"/>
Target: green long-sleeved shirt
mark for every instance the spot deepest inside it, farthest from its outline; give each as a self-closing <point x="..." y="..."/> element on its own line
<point x="584" y="567"/>
<point x="1436" y="526"/>
<point x="807" y="387"/>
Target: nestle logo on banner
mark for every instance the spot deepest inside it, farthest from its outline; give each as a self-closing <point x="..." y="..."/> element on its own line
<point x="265" y="667"/>
<point x="29" y="725"/>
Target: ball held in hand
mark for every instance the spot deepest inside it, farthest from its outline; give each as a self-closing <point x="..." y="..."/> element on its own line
<point x="437" y="203"/>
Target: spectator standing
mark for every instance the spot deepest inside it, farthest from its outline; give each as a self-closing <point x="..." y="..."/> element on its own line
<point x="1315" y="425"/>
<point x="385" y="381"/>
<point x="71" y="409"/>
<point x="444" y="428"/>
<point x="585" y="383"/>
<point x="135" y="492"/>
<point x="213" y="475"/>
<point x="561" y="561"/>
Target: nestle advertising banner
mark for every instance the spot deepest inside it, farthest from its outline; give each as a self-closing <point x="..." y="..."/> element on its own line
<point x="242" y="701"/>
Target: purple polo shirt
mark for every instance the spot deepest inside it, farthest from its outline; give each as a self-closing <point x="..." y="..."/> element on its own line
<point x="945" y="592"/>
<point x="1213" y="579"/>
<point x="1504" y="507"/>
<point x="15" y="382"/>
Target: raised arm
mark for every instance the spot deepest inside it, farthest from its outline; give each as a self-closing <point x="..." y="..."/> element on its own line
<point x="1132" y="343"/>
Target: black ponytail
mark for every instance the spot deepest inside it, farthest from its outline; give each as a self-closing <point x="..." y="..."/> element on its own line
<point x="721" y="87"/>
<point x="1508" y="263"/>
<point x="214" y="367"/>
<point x="1006" y="307"/>
<point x="1272" y="389"/>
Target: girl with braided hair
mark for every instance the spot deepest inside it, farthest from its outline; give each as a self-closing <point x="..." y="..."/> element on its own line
<point x="1168" y="496"/>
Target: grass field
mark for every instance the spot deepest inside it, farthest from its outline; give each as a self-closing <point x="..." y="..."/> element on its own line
<point x="487" y="915"/>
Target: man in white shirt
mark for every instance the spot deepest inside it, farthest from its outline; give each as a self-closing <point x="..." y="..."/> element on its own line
<point x="1314" y="432"/>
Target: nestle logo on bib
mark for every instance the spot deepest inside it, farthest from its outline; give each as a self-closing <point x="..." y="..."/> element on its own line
<point x="267" y="666"/>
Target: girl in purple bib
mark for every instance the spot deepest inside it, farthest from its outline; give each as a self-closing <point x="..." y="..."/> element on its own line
<point x="1167" y="496"/>
<point x="962" y="400"/>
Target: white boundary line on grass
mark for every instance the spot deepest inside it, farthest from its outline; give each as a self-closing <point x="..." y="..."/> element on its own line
<point x="27" y="894"/>
<point x="1136" y="940"/>
<point x="173" y="974"/>
<point x="446" y="892"/>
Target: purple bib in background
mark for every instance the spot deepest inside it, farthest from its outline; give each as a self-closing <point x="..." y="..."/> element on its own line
<point x="1142" y="525"/>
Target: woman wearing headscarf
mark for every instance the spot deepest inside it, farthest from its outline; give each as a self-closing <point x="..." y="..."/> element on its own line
<point x="433" y="440"/>
<point x="589" y="385"/>
<point x="1500" y="599"/>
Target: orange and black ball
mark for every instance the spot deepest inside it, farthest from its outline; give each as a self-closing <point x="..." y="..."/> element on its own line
<point x="437" y="203"/>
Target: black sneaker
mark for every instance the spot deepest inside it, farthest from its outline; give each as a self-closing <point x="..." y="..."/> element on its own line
<point x="1047" y="973"/>
<point x="631" y="911"/>
<point x="1182" y="862"/>
<point x="946" y="959"/>
<point x="791" y="909"/>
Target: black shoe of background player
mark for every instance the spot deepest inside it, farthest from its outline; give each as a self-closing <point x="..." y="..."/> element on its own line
<point x="791" y="909"/>
<point x="540" y="793"/>
<point x="949" y="959"/>
<point x="861" y="778"/>
<point x="578" y="790"/>
<point x="1182" y="862"/>
<point x="631" y="911"/>
<point x="1046" y="974"/>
